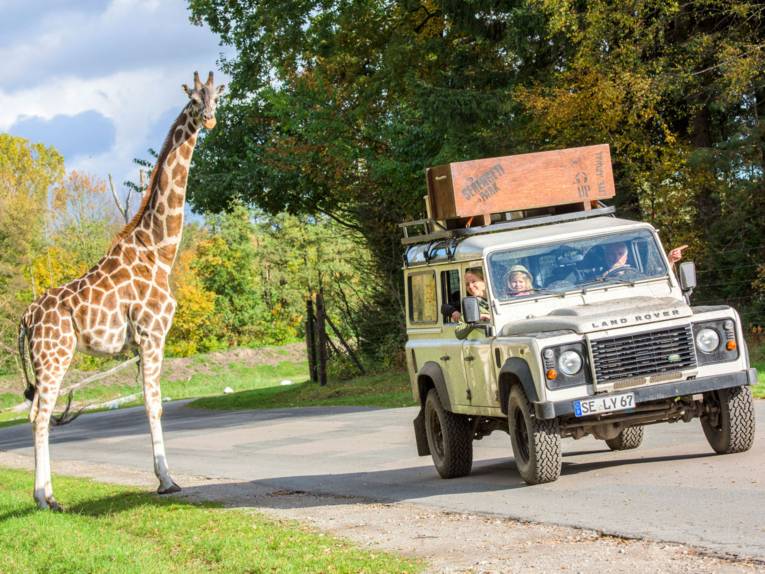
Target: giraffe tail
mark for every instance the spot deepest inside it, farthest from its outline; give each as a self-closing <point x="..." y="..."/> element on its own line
<point x="66" y="417"/>
<point x="30" y="393"/>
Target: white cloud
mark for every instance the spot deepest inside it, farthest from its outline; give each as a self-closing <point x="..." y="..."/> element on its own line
<point x="86" y="43"/>
<point x="125" y="59"/>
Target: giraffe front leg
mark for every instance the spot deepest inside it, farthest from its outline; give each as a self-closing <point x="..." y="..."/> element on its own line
<point x="151" y="364"/>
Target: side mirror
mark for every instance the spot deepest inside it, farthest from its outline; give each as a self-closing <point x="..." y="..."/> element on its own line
<point x="686" y="274"/>
<point x="471" y="313"/>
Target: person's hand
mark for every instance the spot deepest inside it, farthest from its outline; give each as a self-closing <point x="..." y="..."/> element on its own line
<point x="455" y="317"/>
<point x="676" y="254"/>
<point x="485" y="317"/>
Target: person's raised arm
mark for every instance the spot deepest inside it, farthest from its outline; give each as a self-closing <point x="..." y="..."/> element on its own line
<point x="676" y="255"/>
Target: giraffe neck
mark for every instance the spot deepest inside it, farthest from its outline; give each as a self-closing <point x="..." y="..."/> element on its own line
<point x="158" y="225"/>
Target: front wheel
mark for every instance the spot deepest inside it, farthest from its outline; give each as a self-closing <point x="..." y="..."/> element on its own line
<point x="536" y="442"/>
<point x="729" y="421"/>
<point x="450" y="438"/>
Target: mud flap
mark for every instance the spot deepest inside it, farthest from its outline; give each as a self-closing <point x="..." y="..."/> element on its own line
<point x="420" y="435"/>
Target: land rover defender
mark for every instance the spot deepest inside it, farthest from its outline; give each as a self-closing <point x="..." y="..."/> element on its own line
<point x="591" y="346"/>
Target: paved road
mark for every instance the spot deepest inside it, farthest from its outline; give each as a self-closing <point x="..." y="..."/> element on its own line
<point x="673" y="488"/>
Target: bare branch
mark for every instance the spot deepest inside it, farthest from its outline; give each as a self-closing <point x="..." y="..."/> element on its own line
<point x="122" y="210"/>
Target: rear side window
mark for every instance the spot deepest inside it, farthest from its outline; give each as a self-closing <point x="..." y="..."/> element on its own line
<point x="450" y="293"/>
<point x="422" y="297"/>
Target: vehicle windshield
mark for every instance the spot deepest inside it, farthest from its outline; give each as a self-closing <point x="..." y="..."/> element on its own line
<point x="576" y="265"/>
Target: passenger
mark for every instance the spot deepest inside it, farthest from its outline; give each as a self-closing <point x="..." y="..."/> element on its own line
<point x="518" y="281"/>
<point x="475" y="286"/>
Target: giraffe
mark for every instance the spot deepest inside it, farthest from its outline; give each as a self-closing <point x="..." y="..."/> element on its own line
<point x="124" y="302"/>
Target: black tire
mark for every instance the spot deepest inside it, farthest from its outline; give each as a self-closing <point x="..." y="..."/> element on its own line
<point x="450" y="438"/>
<point x="536" y="442"/>
<point x="629" y="438"/>
<point x="730" y="428"/>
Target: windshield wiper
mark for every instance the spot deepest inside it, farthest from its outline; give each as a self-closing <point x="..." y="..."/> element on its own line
<point x="542" y="290"/>
<point x="609" y="280"/>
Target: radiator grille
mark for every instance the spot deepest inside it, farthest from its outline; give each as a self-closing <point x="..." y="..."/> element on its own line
<point x="643" y="354"/>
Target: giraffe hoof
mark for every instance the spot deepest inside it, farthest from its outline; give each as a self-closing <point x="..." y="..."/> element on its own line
<point x="170" y="489"/>
<point x="54" y="506"/>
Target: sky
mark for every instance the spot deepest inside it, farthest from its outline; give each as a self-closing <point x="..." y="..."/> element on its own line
<point x="100" y="80"/>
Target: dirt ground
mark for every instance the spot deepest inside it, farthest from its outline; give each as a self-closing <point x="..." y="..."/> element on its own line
<point x="446" y="542"/>
<point x="182" y="368"/>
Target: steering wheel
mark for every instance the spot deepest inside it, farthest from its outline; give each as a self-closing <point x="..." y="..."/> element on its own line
<point x="625" y="269"/>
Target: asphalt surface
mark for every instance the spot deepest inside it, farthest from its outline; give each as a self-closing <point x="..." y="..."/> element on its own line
<point x="673" y="488"/>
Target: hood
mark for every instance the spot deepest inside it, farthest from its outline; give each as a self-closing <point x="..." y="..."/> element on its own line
<point x="602" y="315"/>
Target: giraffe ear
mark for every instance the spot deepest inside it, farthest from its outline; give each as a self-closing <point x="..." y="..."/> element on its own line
<point x="219" y="89"/>
<point x="186" y="89"/>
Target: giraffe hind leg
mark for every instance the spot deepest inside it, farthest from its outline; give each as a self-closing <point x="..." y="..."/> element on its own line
<point x="50" y="359"/>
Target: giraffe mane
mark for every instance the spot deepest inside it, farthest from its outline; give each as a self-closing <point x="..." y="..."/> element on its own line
<point x="151" y="187"/>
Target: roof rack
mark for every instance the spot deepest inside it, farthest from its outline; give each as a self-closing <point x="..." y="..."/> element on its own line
<point x="434" y="230"/>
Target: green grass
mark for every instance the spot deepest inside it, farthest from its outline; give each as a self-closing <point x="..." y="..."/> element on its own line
<point x="238" y="376"/>
<point x="385" y="390"/>
<point x="759" y="389"/>
<point x="117" y="529"/>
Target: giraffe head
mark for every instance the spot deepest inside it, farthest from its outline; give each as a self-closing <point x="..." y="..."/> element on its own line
<point x="204" y="98"/>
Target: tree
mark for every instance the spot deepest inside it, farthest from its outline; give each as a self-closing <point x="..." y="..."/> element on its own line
<point x="27" y="174"/>
<point x="196" y="326"/>
<point x="80" y="224"/>
<point x="226" y="266"/>
<point x="678" y="91"/>
<point x="338" y="107"/>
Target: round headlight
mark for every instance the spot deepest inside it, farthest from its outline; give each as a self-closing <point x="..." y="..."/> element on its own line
<point x="707" y="340"/>
<point x="570" y="362"/>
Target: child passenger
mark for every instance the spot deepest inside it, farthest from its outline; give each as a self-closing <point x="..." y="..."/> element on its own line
<point x="519" y="281"/>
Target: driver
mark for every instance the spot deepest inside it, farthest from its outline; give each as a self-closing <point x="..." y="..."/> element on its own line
<point x="616" y="259"/>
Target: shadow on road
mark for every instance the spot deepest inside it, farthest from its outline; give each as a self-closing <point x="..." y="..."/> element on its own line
<point x="570" y="468"/>
<point x="410" y="484"/>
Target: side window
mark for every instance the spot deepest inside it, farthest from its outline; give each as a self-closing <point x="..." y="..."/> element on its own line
<point x="450" y="293"/>
<point x="422" y="297"/>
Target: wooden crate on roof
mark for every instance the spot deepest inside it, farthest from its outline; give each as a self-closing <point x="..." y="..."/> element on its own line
<point x="481" y="187"/>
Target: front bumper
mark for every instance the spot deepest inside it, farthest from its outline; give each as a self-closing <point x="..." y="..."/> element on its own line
<point x="553" y="409"/>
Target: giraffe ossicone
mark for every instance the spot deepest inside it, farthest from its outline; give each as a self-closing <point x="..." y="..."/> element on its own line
<point x="124" y="301"/>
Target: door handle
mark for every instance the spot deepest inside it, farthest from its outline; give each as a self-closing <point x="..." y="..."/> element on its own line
<point x="445" y="358"/>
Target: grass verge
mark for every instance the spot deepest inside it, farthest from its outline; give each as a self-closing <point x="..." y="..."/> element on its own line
<point x="383" y="390"/>
<point x="237" y="376"/>
<point x="759" y="389"/>
<point x="109" y="528"/>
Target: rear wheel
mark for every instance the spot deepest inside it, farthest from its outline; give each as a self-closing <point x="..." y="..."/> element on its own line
<point x="536" y="442"/>
<point x="729" y="421"/>
<point x="450" y="438"/>
<point x="627" y="439"/>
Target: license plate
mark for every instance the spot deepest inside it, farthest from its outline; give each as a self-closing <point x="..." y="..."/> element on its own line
<point x="611" y="403"/>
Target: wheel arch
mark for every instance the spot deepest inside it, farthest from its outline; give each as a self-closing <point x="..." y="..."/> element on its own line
<point x="432" y="377"/>
<point x="516" y="371"/>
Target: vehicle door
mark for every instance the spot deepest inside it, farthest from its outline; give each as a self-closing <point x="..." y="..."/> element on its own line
<point x="450" y="356"/>
<point x="482" y="387"/>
